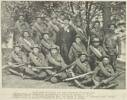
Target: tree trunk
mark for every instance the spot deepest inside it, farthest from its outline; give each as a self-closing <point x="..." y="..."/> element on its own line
<point x="106" y="15"/>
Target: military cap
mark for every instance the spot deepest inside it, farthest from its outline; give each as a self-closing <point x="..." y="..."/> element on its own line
<point x="40" y="16"/>
<point x="16" y="44"/>
<point x="35" y="46"/>
<point x="21" y="14"/>
<point x="25" y="31"/>
<point x="45" y="34"/>
<point x="112" y="24"/>
<point x="97" y="21"/>
<point x="95" y="40"/>
<point x="105" y="57"/>
<point x="82" y="53"/>
<point x="77" y="36"/>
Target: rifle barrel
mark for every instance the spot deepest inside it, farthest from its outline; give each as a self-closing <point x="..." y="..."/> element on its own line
<point x="44" y="67"/>
<point x="79" y="76"/>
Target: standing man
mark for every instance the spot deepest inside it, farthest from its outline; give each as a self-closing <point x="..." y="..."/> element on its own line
<point x="77" y="48"/>
<point x="112" y="45"/>
<point x="39" y="28"/>
<point x="20" y="26"/>
<point x="97" y="32"/>
<point x="67" y="38"/>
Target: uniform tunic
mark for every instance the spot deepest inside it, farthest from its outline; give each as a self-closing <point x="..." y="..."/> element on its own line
<point x="75" y="50"/>
<point x="39" y="30"/>
<point x="16" y="59"/>
<point x="27" y="44"/>
<point x="112" y="46"/>
<point x="93" y="57"/>
<point x="81" y="67"/>
<point x="46" y="45"/>
<point x="103" y="72"/>
<point x="97" y="33"/>
<point x="37" y="60"/>
<point x="56" y="61"/>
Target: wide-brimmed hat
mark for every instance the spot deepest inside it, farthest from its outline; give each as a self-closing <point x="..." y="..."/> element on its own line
<point x="54" y="47"/>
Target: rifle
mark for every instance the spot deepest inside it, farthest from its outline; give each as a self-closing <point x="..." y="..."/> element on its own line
<point x="18" y="65"/>
<point x="56" y="74"/>
<point x="79" y="76"/>
<point x="44" y="67"/>
<point x="108" y="80"/>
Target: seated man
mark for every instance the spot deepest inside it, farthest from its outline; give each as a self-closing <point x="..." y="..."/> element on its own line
<point x="17" y="61"/>
<point x="37" y="63"/>
<point x="81" y="66"/>
<point x="77" y="48"/>
<point x="56" y="61"/>
<point x="96" y="52"/>
<point x="26" y="42"/>
<point x="47" y="44"/>
<point x="104" y="73"/>
<point x="112" y="45"/>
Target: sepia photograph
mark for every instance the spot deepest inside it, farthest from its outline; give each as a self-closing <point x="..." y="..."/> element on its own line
<point x="63" y="44"/>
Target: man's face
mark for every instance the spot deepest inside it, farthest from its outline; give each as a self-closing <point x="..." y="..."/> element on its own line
<point x="46" y="36"/>
<point x="78" y="24"/>
<point x="83" y="58"/>
<point x="66" y="22"/>
<point x="21" y="18"/>
<point x="105" y="60"/>
<point x="97" y="25"/>
<point x="36" y="50"/>
<point x="39" y="20"/>
<point x="54" y="51"/>
<point x="17" y="49"/>
<point x="78" y="40"/>
<point x="112" y="27"/>
<point x="26" y="34"/>
<point x="96" y="44"/>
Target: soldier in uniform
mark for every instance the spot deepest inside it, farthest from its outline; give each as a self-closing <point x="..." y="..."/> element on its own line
<point x="26" y="42"/>
<point x="112" y="45"/>
<point x="77" y="48"/>
<point x="96" y="52"/>
<point x="37" y="59"/>
<point x="81" y="66"/>
<point x="103" y="71"/>
<point x="97" y="31"/>
<point x="55" y="60"/>
<point x="47" y="44"/>
<point x="17" y="61"/>
<point x="39" y="28"/>
<point x="20" y="26"/>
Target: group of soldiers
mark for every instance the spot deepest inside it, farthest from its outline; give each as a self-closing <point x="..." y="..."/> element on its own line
<point x="42" y="51"/>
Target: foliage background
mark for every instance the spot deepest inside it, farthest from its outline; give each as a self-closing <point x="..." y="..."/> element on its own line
<point x="83" y="12"/>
